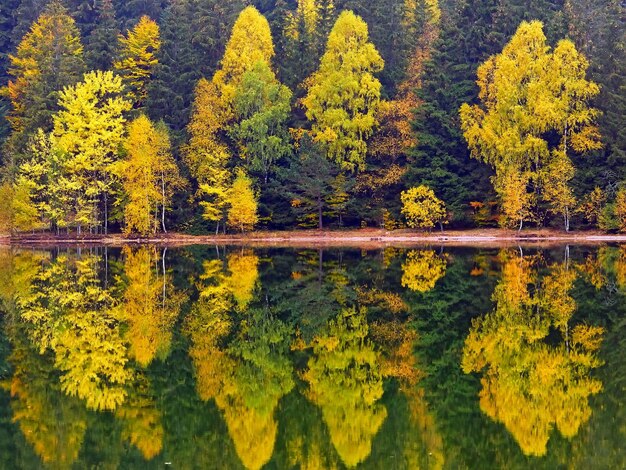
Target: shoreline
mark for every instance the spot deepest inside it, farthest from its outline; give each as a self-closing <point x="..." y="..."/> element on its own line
<point x="332" y="238"/>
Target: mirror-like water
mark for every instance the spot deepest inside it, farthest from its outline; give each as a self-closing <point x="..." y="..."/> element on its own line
<point x="232" y="358"/>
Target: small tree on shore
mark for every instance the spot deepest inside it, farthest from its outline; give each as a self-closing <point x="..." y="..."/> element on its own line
<point x="421" y="208"/>
<point x="243" y="203"/>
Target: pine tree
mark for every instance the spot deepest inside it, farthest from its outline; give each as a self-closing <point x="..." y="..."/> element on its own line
<point x="303" y="36"/>
<point x="130" y="11"/>
<point x="470" y="32"/>
<point x="101" y="47"/>
<point x="193" y="35"/>
<point x="309" y="182"/>
<point x="597" y="29"/>
<point x="48" y="58"/>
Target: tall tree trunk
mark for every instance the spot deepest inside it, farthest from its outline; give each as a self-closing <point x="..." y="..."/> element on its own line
<point x="163" y="202"/>
<point x="319" y="213"/>
<point x="106" y="214"/>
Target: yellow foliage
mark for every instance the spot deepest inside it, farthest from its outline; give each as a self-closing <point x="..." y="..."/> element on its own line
<point x="141" y="420"/>
<point x="253" y="433"/>
<point x="6" y="209"/>
<point x="88" y="130"/>
<point x="205" y="154"/>
<point x="53" y="36"/>
<point x="53" y="424"/>
<point x="528" y="91"/>
<point x="244" y="269"/>
<point x="345" y="381"/>
<point x="150" y="305"/>
<point x="387" y="300"/>
<point x="149" y="175"/>
<point x="422" y="208"/>
<point x="422" y="270"/>
<point x="343" y="94"/>
<point x="592" y="205"/>
<point x="138" y="58"/>
<point x="620" y="209"/>
<point x="531" y="385"/>
<point x="250" y="42"/>
<point x="70" y="314"/>
<point x="242" y="213"/>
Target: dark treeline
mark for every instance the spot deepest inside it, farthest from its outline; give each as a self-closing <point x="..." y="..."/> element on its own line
<point x="206" y="115"/>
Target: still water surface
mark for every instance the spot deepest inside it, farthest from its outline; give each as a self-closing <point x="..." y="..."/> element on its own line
<point x="232" y="358"/>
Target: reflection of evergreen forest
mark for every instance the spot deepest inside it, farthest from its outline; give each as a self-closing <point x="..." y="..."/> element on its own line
<point x="234" y="358"/>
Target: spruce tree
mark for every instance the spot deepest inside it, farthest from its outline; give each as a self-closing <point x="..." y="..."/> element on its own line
<point x="193" y="35"/>
<point x="101" y="47"/>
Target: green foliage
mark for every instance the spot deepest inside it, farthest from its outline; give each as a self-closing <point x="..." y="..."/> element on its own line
<point x="214" y="71"/>
<point x="48" y="58"/>
<point x="262" y="106"/>
<point x="343" y="94"/>
<point x="193" y="36"/>
<point x="310" y="177"/>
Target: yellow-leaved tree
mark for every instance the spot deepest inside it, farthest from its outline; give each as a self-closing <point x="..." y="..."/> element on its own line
<point x="151" y="305"/>
<point x="88" y="130"/>
<point x="528" y="93"/>
<point x="205" y="154"/>
<point x="242" y="110"/>
<point x="71" y="314"/>
<point x="138" y="58"/>
<point x="48" y="58"/>
<point x="343" y="94"/>
<point x="149" y="175"/>
<point x="250" y="43"/>
<point x="243" y="205"/>
<point x="421" y="208"/>
<point x="422" y="269"/>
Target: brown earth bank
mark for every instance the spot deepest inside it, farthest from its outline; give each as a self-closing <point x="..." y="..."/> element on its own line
<point x="361" y="238"/>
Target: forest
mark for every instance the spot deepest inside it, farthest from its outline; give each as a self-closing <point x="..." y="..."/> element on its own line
<point x="199" y="116"/>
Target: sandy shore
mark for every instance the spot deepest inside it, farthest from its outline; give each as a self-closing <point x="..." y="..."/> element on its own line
<point x="363" y="238"/>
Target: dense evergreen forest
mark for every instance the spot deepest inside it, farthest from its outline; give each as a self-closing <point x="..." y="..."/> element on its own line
<point x="198" y="115"/>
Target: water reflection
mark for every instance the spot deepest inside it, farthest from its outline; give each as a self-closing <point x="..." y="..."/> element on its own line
<point x="536" y="363"/>
<point x="307" y="359"/>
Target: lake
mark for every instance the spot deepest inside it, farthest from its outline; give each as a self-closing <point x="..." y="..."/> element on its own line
<point x="229" y="358"/>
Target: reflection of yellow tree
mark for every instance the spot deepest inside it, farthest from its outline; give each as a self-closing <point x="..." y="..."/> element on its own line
<point x="207" y="325"/>
<point x="18" y="271"/>
<point x="423" y="445"/>
<point x="141" y="420"/>
<point x="529" y="385"/>
<point x="52" y="423"/>
<point x="251" y="391"/>
<point x="150" y="305"/>
<point x="244" y="273"/>
<point x="70" y="313"/>
<point x="422" y="270"/>
<point x="248" y="378"/>
<point x="346" y="383"/>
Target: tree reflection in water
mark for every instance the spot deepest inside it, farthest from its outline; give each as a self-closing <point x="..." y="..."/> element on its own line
<point x="302" y="359"/>
<point x="533" y="381"/>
